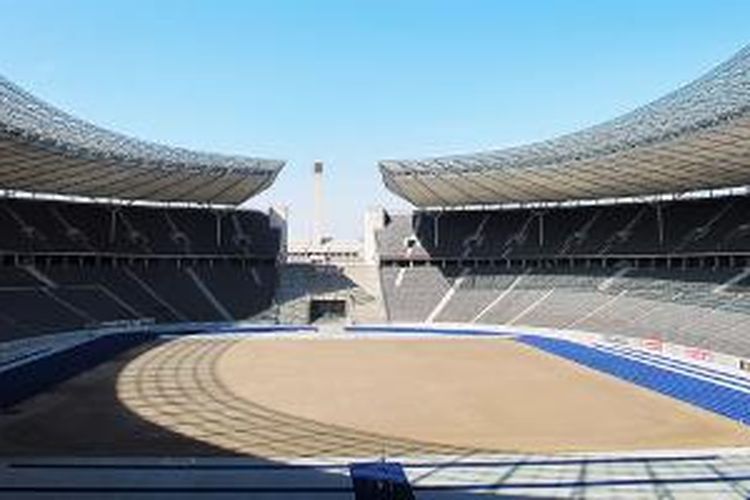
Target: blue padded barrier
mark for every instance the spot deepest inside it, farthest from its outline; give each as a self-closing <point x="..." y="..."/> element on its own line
<point x="23" y="356"/>
<point x="705" y="394"/>
<point x="34" y="376"/>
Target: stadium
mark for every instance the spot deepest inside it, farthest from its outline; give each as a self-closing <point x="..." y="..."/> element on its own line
<point x="569" y="318"/>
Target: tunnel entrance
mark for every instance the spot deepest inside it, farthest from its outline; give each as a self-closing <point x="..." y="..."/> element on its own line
<point x="327" y="310"/>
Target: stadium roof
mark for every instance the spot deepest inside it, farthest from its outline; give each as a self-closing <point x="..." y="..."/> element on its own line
<point x="45" y="150"/>
<point x="695" y="138"/>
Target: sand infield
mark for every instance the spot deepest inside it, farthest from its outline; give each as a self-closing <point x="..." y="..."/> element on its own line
<point x="475" y="393"/>
<point x="290" y="397"/>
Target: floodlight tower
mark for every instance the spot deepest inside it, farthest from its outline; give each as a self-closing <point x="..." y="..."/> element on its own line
<point x="317" y="237"/>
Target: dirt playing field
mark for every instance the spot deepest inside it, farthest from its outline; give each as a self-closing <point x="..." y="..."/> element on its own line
<point x="343" y="397"/>
<point x="475" y="393"/>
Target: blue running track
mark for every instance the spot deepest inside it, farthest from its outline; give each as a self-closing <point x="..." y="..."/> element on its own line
<point x="709" y="395"/>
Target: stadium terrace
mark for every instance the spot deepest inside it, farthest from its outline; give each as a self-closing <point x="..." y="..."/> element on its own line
<point x="554" y="320"/>
<point x="45" y="150"/>
<point x="667" y="146"/>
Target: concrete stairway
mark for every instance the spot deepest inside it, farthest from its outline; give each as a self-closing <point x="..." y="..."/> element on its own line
<point x="357" y="284"/>
<point x="367" y="306"/>
<point x="292" y="296"/>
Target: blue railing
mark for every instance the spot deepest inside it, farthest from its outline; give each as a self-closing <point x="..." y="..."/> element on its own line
<point x="36" y="375"/>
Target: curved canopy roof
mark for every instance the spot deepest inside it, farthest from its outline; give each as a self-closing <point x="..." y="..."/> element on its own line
<point x="45" y="150"/>
<point x="697" y="137"/>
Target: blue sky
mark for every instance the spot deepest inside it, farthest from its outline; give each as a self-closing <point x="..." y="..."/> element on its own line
<point x="351" y="82"/>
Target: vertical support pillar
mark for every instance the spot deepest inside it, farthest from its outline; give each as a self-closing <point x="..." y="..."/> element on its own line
<point x="660" y="223"/>
<point x="374" y="221"/>
<point x="436" y="230"/>
<point x="218" y="229"/>
<point x="113" y="225"/>
<point x="541" y="230"/>
<point x="278" y="216"/>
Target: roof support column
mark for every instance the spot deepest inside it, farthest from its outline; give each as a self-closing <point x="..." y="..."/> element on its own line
<point x="660" y="223"/>
<point x="218" y="229"/>
<point x="541" y="230"/>
<point x="113" y="225"/>
<point x="436" y="230"/>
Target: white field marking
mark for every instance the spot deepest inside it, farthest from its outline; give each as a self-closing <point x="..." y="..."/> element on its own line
<point x="734" y="279"/>
<point x="447" y="297"/>
<point x="36" y="273"/>
<point x="531" y="307"/>
<point x="608" y="282"/>
<point x="595" y="311"/>
<point x="208" y="294"/>
<point x="499" y="298"/>
<point x="400" y="276"/>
